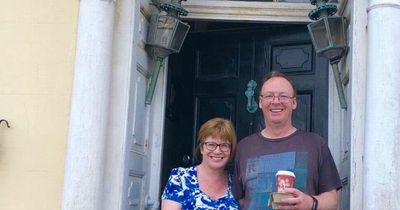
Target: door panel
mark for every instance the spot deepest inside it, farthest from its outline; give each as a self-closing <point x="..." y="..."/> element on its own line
<point x="136" y="169"/>
<point x="293" y="54"/>
<point x="223" y="67"/>
<point x="210" y="76"/>
<point x="136" y="154"/>
<point x="301" y="117"/>
<point x="217" y="61"/>
<point x="208" y="107"/>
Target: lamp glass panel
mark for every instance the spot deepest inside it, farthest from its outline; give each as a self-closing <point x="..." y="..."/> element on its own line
<point x="180" y="34"/>
<point x="319" y="34"/>
<point x="165" y="31"/>
<point x="336" y="27"/>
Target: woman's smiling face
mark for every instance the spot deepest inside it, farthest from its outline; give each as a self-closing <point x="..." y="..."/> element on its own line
<point x="218" y="157"/>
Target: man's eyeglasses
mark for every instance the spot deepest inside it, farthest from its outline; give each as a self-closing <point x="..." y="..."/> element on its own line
<point x="225" y="147"/>
<point x="281" y="98"/>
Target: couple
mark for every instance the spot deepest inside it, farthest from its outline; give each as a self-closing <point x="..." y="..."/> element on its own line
<point x="258" y="157"/>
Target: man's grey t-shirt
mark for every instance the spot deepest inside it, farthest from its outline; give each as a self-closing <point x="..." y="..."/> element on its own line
<point x="258" y="159"/>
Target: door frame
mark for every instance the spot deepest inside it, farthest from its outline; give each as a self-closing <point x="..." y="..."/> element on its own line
<point x="268" y="12"/>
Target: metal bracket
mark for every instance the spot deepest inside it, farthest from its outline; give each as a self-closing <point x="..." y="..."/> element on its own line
<point x="339" y="85"/>
<point x="6" y="122"/>
<point x="153" y="80"/>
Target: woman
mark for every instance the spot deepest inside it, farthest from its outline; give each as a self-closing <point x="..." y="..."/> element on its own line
<point x="207" y="185"/>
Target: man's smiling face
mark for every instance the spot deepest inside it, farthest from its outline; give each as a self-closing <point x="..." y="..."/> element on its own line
<point x="276" y="112"/>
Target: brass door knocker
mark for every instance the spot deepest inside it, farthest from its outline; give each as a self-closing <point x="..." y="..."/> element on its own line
<point x="251" y="103"/>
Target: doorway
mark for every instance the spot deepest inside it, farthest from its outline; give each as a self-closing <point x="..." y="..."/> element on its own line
<point x="209" y="77"/>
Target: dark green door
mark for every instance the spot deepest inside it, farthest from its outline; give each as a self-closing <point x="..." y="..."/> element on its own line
<point x="209" y="77"/>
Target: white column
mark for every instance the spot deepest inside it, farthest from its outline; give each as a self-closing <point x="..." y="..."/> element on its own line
<point x="382" y="129"/>
<point x="84" y="165"/>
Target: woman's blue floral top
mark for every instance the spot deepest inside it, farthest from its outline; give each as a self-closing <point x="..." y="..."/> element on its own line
<point x="183" y="187"/>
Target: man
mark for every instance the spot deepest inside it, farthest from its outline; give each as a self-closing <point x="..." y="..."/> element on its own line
<point x="280" y="146"/>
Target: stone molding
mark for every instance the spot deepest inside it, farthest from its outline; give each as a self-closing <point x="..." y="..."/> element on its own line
<point x="247" y="11"/>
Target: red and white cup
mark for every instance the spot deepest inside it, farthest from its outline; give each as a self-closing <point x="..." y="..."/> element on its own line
<point x="284" y="179"/>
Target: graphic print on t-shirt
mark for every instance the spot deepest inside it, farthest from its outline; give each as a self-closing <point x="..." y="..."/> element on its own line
<point x="260" y="175"/>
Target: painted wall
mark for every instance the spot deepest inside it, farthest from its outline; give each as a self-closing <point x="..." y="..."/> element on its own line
<point x="37" y="40"/>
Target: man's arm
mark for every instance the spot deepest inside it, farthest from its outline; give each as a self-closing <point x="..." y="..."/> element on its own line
<point x="326" y="201"/>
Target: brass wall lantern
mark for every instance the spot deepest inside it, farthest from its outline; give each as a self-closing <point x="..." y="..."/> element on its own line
<point x="166" y="34"/>
<point x="329" y="39"/>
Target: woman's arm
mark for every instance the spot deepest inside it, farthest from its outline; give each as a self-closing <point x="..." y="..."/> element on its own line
<point x="170" y="205"/>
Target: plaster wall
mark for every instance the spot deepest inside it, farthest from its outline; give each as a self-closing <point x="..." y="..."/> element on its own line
<point x="37" y="40"/>
<point x="357" y="68"/>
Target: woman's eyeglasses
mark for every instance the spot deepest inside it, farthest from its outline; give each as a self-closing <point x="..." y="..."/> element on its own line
<point x="225" y="147"/>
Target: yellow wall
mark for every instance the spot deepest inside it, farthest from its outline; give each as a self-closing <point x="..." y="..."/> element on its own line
<point x="37" y="49"/>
